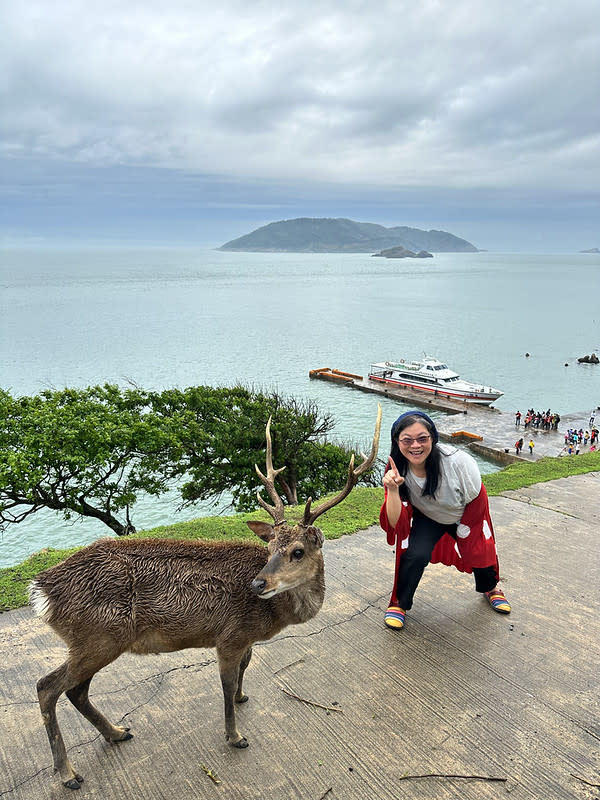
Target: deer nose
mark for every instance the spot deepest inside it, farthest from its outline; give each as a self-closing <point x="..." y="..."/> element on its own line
<point x="258" y="585"/>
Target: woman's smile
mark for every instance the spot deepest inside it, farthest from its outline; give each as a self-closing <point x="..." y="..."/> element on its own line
<point x="415" y="445"/>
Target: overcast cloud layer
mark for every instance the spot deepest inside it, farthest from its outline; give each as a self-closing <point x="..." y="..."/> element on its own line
<point x="468" y="109"/>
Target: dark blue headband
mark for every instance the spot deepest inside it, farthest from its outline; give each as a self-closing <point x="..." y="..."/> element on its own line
<point x="434" y="432"/>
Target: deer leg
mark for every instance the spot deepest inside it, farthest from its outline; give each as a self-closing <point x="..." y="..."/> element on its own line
<point x="229" y="669"/>
<point x="73" y="677"/>
<point x="78" y="695"/>
<point x="49" y="689"/>
<point x="240" y="697"/>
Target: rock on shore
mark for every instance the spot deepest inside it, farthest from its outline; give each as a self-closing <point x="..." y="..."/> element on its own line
<point x="402" y="252"/>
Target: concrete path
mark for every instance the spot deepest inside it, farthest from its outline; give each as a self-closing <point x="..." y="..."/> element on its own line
<point x="499" y="433"/>
<point x="461" y="691"/>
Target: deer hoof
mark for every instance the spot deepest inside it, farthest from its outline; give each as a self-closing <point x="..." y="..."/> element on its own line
<point x="241" y="743"/>
<point x="74" y="782"/>
<point x="242" y="699"/>
<point x="121" y="735"/>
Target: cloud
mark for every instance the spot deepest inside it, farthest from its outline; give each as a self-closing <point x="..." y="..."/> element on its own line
<point x="390" y="96"/>
<point x="355" y="91"/>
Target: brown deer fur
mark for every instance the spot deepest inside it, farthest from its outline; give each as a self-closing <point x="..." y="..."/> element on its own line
<point x="161" y="595"/>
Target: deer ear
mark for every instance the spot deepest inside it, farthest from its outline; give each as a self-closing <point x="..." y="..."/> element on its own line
<point x="315" y="535"/>
<point x="262" y="529"/>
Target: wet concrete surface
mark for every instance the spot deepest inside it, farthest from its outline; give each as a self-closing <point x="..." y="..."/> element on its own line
<point x="499" y="433"/>
<point x="463" y="703"/>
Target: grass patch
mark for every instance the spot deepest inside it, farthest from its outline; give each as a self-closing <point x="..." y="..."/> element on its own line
<point x="526" y="473"/>
<point x="358" y="511"/>
<point x="14" y="580"/>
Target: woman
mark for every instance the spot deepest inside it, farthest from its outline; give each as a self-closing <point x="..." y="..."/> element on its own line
<point x="435" y="510"/>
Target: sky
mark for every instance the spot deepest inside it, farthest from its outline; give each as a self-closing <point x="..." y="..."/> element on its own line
<point x="195" y="122"/>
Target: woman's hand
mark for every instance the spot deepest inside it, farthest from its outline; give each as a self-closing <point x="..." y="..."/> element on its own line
<point x="392" y="478"/>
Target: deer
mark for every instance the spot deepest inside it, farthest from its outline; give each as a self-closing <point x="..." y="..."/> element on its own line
<point x="163" y="595"/>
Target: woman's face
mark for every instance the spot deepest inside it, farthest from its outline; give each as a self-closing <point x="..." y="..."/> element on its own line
<point x="415" y="445"/>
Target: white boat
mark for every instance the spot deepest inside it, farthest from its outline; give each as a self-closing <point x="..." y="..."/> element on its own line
<point x="434" y="377"/>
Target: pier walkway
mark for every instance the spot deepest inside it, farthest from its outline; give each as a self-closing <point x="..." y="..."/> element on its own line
<point x="463" y="704"/>
<point x="401" y="393"/>
<point x="499" y="433"/>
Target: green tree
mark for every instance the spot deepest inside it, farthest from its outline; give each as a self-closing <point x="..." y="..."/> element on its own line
<point x="86" y="451"/>
<point x="94" y="451"/>
<point x="222" y="437"/>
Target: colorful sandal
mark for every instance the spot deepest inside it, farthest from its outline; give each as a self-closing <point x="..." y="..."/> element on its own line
<point x="394" y="617"/>
<point x="498" y="601"/>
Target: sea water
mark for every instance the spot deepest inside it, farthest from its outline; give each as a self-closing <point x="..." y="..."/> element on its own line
<point x="162" y="317"/>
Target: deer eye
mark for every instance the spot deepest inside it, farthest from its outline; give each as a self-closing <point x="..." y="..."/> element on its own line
<point x="298" y="553"/>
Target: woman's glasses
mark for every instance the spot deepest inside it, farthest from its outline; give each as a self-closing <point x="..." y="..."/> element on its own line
<point x="406" y="441"/>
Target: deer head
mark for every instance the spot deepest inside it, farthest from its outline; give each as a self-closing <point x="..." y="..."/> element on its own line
<point x="295" y="550"/>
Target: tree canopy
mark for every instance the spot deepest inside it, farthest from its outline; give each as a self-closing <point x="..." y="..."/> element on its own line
<point x="94" y="451"/>
<point x="80" y="451"/>
<point x="221" y="436"/>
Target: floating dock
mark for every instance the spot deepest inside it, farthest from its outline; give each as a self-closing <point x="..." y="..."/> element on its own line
<point x="334" y="375"/>
<point x="399" y="393"/>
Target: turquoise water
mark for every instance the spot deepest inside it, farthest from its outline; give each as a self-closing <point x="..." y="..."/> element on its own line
<point x="178" y="317"/>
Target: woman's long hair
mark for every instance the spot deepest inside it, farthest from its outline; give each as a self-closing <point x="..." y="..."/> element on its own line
<point x="432" y="463"/>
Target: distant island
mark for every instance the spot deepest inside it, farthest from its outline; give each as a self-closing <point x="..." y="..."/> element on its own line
<point x="308" y="235"/>
<point x="402" y="252"/>
<point x="591" y="250"/>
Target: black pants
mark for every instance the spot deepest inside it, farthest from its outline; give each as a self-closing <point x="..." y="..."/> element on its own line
<point x="424" y="535"/>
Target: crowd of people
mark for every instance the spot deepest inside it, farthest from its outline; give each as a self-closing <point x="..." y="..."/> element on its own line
<point x="576" y="439"/>
<point x="543" y="420"/>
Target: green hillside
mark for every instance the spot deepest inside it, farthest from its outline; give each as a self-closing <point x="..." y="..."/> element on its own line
<point x="306" y="235"/>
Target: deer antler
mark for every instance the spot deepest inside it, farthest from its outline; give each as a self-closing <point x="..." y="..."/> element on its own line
<point x="268" y="480"/>
<point x="354" y="474"/>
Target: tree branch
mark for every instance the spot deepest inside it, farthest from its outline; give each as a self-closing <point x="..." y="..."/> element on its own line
<point x="311" y="702"/>
<point x="448" y="775"/>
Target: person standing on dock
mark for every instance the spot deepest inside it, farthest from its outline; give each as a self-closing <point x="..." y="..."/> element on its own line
<point x="518" y="419"/>
<point x="435" y="510"/>
<point x="531" y="446"/>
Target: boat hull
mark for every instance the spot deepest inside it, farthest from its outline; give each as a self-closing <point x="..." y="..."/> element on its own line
<point x="485" y="398"/>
